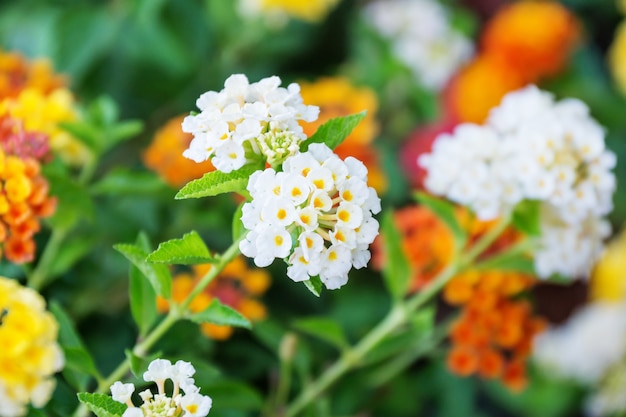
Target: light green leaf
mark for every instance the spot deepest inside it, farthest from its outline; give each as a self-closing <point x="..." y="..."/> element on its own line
<point x="188" y="250"/>
<point x="216" y="182"/>
<point x="158" y="275"/>
<point x="139" y="364"/>
<point x="323" y="328"/>
<point x="334" y="131"/>
<point x="237" y="227"/>
<point x="218" y="313"/>
<point x="124" y="130"/>
<point x="509" y="261"/>
<point x="314" y="284"/>
<point x="526" y="217"/>
<point x="102" y="405"/>
<point x="444" y="210"/>
<point x="397" y="269"/>
<point x="142" y="300"/>
<point x="78" y="359"/>
<point x="84" y="132"/>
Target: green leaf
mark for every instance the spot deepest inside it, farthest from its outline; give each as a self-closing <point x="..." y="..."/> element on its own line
<point x="444" y="210"/>
<point x="323" y="328"/>
<point x="216" y="182"/>
<point x="188" y="250"/>
<point x="218" y="313"/>
<point x="527" y="217"/>
<point x="334" y="131"/>
<point x="397" y="270"/>
<point x="84" y="132"/>
<point x="124" y="181"/>
<point x="158" y="275"/>
<point x="80" y="364"/>
<point x="230" y="394"/>
<point x="314" y="284"/>
<point x="102" y="405"/>
<point x="142" y="300"/>
<point x="74" y="201"/>
<point x="237" y="228"/>
<point x="72" y="250"/>
<point x="125" y="130"/>
<point x="509" y="260"/>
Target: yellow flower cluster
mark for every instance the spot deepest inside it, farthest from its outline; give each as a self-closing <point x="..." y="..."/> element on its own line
<point x="41" y="112"/>
<point x="30" y="354"/>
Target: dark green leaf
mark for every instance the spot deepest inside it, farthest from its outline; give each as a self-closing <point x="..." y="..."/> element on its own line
<point x="396" y="269"/>
<point x="102" y="405"/>
<point x="138" y="364"/>
<point x="158" y="275"/>
<point x="74" y="202"/>
<point x="124" y="181"/>
<point x="218" y="313"/>
<point x="142" y="300"/>
<point x="444" y="210"/>
<point x="323" y="328"/>
<point x="314" y="284"/>
<point x="217" y="182"/>
<point x="188" y="250"/>
<point x="334" y="131"/>
<point x="227" y="394"/>
<point x="526" y="217"/>
<point x="78" y="359"/>
<point x="69" y="253"/>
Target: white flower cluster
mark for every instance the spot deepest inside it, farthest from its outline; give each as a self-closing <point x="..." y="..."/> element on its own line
<point x="421" y="37"/>
<point x="189" y="404"/>
<point x="317" y="214"/>
<point x="590" y="348"/>
<point x="244" y="120"/>
<point x="533" y="148"/>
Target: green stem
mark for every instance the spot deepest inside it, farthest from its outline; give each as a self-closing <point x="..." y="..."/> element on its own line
<point x="174" y="315"/>
<point x="396" y="317"/>
<point x="37" y="279"/>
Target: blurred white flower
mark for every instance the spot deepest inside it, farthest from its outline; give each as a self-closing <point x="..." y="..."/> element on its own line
<point x="316" y="214"/>
<point x="533" y="148"/>
<point x="243" y="120"/>
<point x="421" y="37"/>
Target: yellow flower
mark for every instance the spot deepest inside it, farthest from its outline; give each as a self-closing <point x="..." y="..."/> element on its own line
<point x="336" y="96"/>
<point x="236" y="286"/>
<point x="608" y="279"/>
<point x="43" y="113"/>
<point x="617" y="57"/>
<point x="312" y="11"/>
<point x="30" y="353"/>
<point x="17" y="73"/>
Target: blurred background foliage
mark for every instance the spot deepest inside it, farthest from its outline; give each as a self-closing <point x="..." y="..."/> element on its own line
<point x="151" y="59"/>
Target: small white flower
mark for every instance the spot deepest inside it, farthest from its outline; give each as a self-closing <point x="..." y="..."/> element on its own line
<point x="196" y="405"/>
<point x="133" y="412"/>
<point x="121" y="392"/>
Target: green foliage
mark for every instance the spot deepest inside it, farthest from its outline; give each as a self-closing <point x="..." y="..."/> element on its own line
<point x="218" y="313"/>
<point x="314" y="284"/>
<point x="527" y="216"/>
<point x="323" y="328"/>
<point x="217" y="182"/>
<point x="188" y="250"/>
<point x="141" y="293"/>
<point x="123" y="181"/>
<point x="73" y="200"/>
<point x="158" y="274"/>
<point x="397" y="270"/>
<point x="334" y="131"/>
<point x="444" y="210"/>
<point x="102" y="405"/>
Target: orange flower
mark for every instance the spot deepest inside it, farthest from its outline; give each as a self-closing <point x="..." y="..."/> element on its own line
<point x="236" y="286"/>
<point x="24" y="201"/>
<point x="336" y="96"/>
<point x="535" y="37"/>
<point x="165" y="155"/>
<point x="17" y="74"/>
<point x="480" y="86"/>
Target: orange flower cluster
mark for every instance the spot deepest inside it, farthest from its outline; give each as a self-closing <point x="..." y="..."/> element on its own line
<point x="336" y="96"/>
<point x="493" y="335"/>
<point x="24" y="200"/>
<point x="236" y="286"/>
<point x="18" y="74"/>
<point x="525" y="42"/>
<point x="165" y="155"/>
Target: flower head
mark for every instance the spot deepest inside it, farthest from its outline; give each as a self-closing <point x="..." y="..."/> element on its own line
<point x="30" y="352"/>
<point x="421" y="37"/>
<point x="247" y="122"/>
<point x="316" y="214"/>
<point x="18" y="73"/>
<point x="190" y="403"/>
<point x="533" y="148"/>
